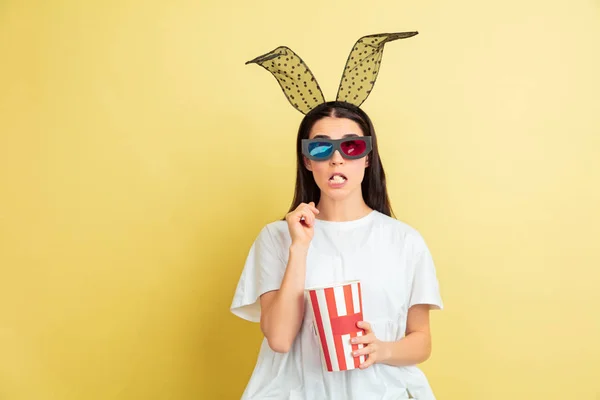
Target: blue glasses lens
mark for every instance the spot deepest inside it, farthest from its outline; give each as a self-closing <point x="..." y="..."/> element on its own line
<point x="320" y="149"/>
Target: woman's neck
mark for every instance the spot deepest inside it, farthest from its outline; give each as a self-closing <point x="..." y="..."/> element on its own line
<point x="345" y="210"/>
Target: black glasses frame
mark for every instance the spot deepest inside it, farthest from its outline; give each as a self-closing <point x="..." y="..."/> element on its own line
<point x="337" y="145"/>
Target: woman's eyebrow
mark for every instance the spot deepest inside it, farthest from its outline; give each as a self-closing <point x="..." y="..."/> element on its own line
<point x="327" y="137"/>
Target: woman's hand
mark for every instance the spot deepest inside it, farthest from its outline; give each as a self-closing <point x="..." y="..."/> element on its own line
<point x="374" y="350"/>
<point x="301" y="223"/>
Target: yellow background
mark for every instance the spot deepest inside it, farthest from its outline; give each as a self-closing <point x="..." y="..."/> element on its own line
<point x="139" y="158"/>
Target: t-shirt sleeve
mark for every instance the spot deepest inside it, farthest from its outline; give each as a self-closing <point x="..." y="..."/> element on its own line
<point x="263" y="272"/>
<point x="425" y="286"/>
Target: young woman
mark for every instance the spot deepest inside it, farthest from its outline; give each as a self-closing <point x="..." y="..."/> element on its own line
<point x="339" y="228"/>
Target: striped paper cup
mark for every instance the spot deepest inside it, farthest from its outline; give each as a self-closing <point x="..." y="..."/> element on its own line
<point x="337" y="309"/>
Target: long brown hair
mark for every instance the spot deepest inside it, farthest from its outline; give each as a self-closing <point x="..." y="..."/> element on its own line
<point x="374" y="189"/>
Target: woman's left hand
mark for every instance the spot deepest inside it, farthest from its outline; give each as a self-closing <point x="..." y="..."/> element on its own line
<point x="374" y="349"/>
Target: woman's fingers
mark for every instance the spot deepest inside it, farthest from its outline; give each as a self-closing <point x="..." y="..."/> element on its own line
<point x="364" y="339"/>
<point x="307" y="211"/>
<point x="301" y="222"/>
<point x="367" y="363"/>
<point x="365" y="351"/>
<point x="309" y="217"/>
<point x="310" y="206"/>
<point x="302" y="217"/>
<point x="365" y="325"/>
<point x="304" y="213"/>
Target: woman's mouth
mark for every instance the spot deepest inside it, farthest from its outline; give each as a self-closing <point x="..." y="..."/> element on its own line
<point x="337" y="180"/>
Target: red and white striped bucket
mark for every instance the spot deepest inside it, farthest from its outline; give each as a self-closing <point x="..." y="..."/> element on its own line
<point x="337" y="309"/>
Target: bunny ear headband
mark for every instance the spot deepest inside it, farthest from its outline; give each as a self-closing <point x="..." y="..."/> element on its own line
<point x="300" y="86"/>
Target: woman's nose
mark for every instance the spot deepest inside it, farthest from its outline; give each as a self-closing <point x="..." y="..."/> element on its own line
<point x="336" y="158"/>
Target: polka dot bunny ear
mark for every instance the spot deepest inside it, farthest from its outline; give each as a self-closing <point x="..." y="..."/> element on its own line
<point x="295" y="78"/>
<point x="360" y="73"/>
<point x="362" y="66"/>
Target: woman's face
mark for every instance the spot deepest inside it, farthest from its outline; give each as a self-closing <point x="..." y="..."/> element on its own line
<point x="337" y="177"/>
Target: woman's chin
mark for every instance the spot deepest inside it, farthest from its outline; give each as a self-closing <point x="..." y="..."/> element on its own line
<point x="336" y="193"/>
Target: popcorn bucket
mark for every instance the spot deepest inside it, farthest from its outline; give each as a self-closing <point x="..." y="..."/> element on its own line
<point x="337" y="309"/>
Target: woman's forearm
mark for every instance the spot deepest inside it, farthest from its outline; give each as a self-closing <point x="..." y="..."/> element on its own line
<point x="284" y="311"/>
<point x="412" y="349"/>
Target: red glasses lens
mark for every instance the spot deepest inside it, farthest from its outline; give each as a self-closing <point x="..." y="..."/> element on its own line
<point x="354" y="148"/>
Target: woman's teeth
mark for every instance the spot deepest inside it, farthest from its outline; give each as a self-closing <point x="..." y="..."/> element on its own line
<point x="337" y="179"/>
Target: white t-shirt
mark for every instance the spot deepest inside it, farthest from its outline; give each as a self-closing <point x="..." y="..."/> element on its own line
<point x="396" y="271"/>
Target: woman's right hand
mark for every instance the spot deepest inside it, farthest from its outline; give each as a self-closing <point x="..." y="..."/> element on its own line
<point x="301" y="222"/>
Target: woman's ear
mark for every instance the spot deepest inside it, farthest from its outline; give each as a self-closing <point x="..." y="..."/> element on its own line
<point x="306" y="163"/>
